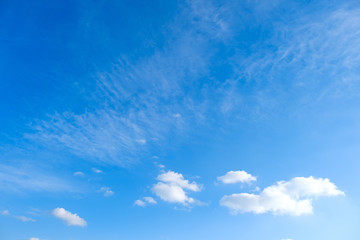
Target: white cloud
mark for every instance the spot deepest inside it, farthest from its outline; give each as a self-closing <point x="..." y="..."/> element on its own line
<point x="95" y="170"/>
<point x="5" y="212"/>
<point x="71" y="219"/>
<point x="34" y="238"/>
<point x="172" y="186"/>
<point x="236" y="176"/>
<point x="21" y="218"/>
<point x="150" y="200"/>
<point x="293" y="197"/>
<point x="107" y="191"/>
<point x="141" y="141"/>
<point x="145" y="201"/>
<point x="140" y="203"/>
<point x="24" y="219"/>
<point x="79" y="173"/>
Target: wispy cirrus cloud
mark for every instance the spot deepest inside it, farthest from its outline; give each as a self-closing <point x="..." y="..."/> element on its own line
<point x="24" y="178"/>
<point x="306" y="59"/>
<point x="139" y="102"/>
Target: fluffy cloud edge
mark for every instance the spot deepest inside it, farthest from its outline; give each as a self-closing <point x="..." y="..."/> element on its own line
<point x="173" y="188"/>
<point x="236" y="177"/>
<point x="71" y="219"/>
<point x="292" y="197"/>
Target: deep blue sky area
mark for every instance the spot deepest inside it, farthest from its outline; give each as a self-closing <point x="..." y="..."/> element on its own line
<point x="175" y="120"/>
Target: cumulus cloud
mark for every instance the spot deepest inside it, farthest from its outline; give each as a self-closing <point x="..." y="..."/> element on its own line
<point x="145" y="201"/>
<point x="236" y="176"/>
<point x="292" y="197"/>
<point x="107" y="191"/>
<point x="71" y="219"/>
<point x="172" y="188"/>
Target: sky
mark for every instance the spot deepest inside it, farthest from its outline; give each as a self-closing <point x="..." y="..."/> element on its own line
<point x="169" y="120"/>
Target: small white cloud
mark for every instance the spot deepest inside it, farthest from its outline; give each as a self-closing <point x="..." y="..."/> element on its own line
<point x="107" y="191"/>
<point x="145" y="201"/>
<point x="150" y="200"/>
<point x="177" y="115"/>
<point x="79" y="173"/>
<point x="24" y="219"/>
<point x="236" y="176"/>
<point x="71" y="219"/>
<point x="5" y="212"/>
<point x="95" y="170"/>
<point x="172" y="186"/>
<point x="141" y="141"/>
<point x="161" y="166"/>
<point x="293" y="197"/>
<point x="140" y="203"/>
<point x="34" y="238"/>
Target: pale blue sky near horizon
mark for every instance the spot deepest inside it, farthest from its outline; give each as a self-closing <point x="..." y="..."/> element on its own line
<point x="179" y="120"/>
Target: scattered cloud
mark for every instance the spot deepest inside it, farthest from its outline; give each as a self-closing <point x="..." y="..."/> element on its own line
<point x="140" y="203"/>
<point x="5" y="212"/>
<point x="145" y="201"/>
<point x="150" y="200"/>
<point x="95" y="170"/>
<point x="71" y="219"/>
<point x="236" y="176"/>
<point x="79" y="174"/>
<point x="21" y="218"/>
<point x="107" y="191"/>
<point x="172" y="188"/>
<point x="34" y="238"/>
<point x="24" y="219"/>
<point x="292" y="197"/>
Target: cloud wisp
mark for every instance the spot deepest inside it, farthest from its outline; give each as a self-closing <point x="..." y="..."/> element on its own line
<point x="71" y="219"/>
<point x="106" y="191"/>
<point x="27" y="178"/>
<point x="292" y="197"/>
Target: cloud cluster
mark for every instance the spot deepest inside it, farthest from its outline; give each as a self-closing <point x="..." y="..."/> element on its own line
<point x="172" y="187"/>
<point x="292" y="197"/>
<point x="145" y="201"/>
<point x="236" y="176"/>
<point x="71" y="219"/>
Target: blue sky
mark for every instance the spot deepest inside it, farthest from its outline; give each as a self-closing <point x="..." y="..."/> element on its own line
<point x="179" y="120"/>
